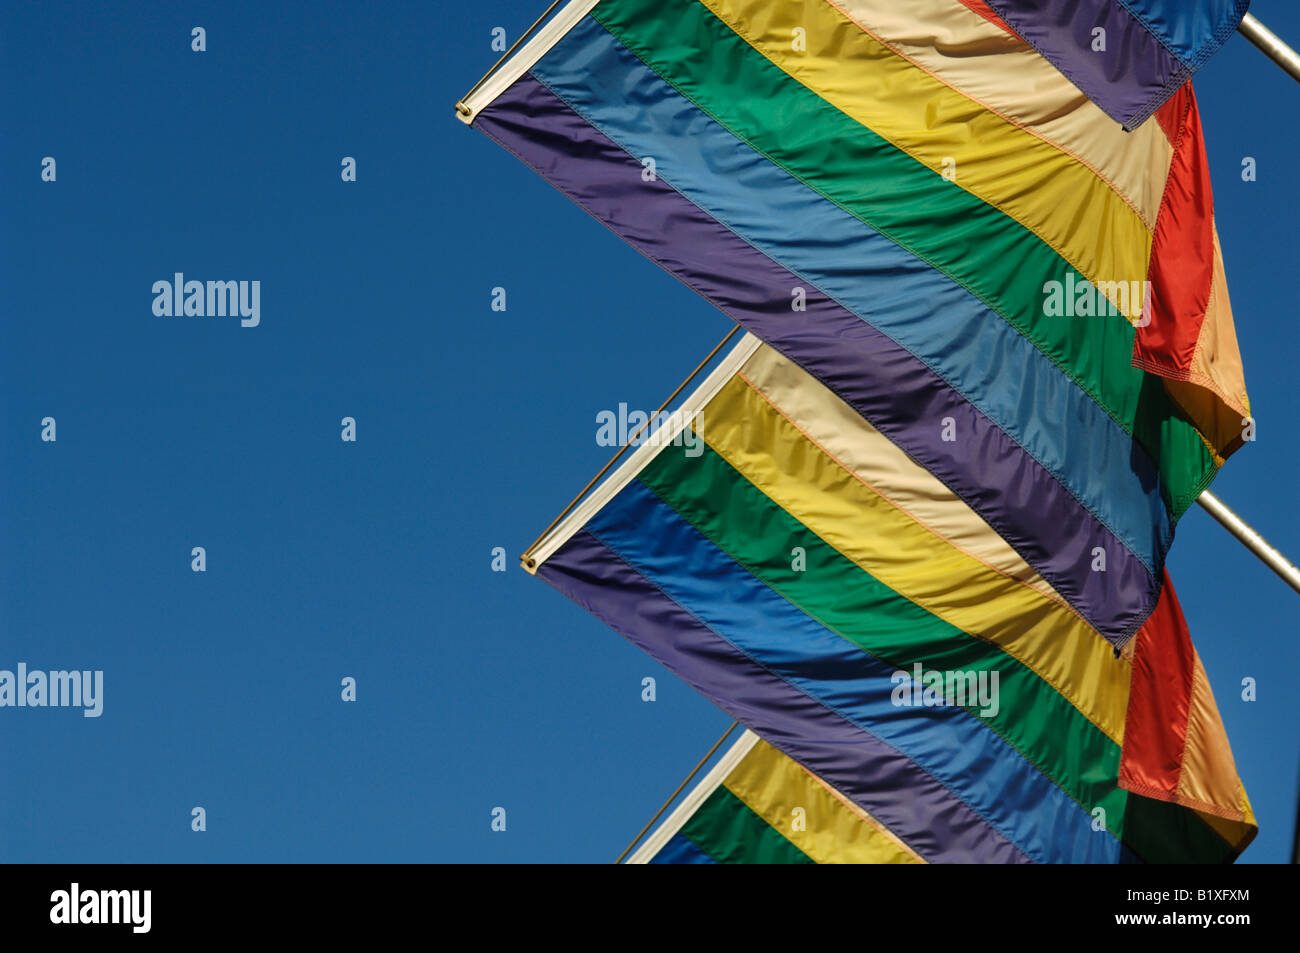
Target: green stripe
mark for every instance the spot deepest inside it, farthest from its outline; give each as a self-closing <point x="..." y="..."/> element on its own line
<point x="1164" y="833"/>
<point x="727" y="830"/>
<point x="759" y="535"/>
<point x="992" y="255"/>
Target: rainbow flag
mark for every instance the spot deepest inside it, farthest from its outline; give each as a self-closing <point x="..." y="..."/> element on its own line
<point x="1128" y="56"/>
<point x="1025" y="299"/>
<point x="784" y="557"/>
<point x="758" y="807"/>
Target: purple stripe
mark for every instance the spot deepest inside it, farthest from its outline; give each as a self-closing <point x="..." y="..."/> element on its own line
<point x="891" y="787"/>
<point x="1129" y="80"/>
<point x="884" y="382"/>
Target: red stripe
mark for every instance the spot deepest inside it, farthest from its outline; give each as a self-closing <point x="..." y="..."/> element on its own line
<point x="1182" y="252"/>
<point x="984" y="10"/>
<point x="1155" y="731"/>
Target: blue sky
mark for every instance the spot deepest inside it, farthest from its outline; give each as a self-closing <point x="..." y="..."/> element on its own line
<point x="372" y="559"/>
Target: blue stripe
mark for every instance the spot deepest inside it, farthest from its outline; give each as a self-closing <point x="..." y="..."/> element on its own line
<point x="1190" y="29"/>
<point x="954" y="746"/>
<point x="681" y="850"/>
<point x="997" y="369"/>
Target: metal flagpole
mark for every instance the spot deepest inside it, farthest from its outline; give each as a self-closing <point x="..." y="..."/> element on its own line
<point x="672" y="797"/>
<point x="1257" y="544"/>
<point x="1271" y="45"/>
<point x="461" y="109"/>
<point x="1275" y="561"/>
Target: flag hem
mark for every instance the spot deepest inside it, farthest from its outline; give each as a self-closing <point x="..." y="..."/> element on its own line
<point x="641" y="457"/>
<point x="685" y="810"/>
<point x="499" y="80"/>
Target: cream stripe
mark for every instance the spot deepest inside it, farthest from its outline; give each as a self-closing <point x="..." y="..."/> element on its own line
<point x="675" y="821"/>
<point x="877" y="461"/>
<point x="647" y="451"/>
<point x="504" y="77"/>
<point x="1006" y="75"/>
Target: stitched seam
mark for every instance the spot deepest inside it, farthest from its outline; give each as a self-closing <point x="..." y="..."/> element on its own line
<point x="1182" y="800"/>
<point x="1159" y="37"/>
<point x="1226" y="26"/>
<point x="1092" y="90"/>
<point x="861" y="812"/>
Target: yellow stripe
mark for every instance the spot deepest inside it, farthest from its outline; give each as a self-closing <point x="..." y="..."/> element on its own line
<point x="835" y="831"/>
<point x="1007" y="76"/>
<point x="883" y="540"/>
<point x="1045" y="190"/>
<point x="873" y="457"/>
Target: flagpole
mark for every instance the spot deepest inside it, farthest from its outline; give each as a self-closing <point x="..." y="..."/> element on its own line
<point x="672" y="797"/>
<point x="461" y="109"/>
<point x="526" y="559"/>
<point x="1271" y="45"/>
<point x="1257" y="544"/>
